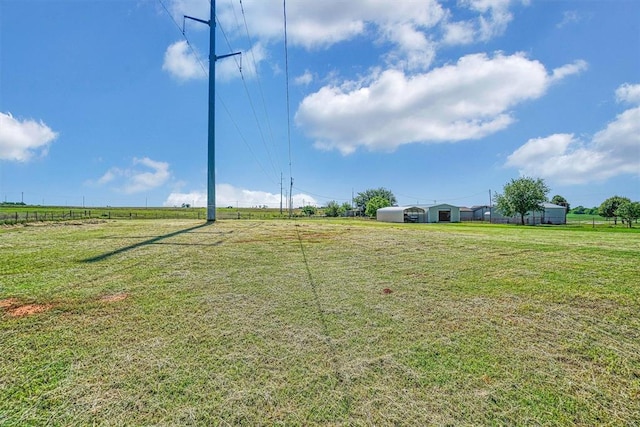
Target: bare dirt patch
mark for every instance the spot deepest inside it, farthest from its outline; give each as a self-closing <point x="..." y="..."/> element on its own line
<point x="114" y="297"/>
<point x="29" y="309"/>
<point x="8" y="302"/>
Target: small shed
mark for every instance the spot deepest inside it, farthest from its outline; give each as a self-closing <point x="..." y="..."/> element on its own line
<point x="401" y="214"/>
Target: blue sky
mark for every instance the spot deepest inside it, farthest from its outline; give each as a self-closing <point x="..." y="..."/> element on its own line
<point x="105" y="102"/>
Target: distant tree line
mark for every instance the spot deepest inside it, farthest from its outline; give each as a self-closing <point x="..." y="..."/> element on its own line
<point x="614" y="207"/>
<point x="365" y="203"/>
<point x="581" y="210"/>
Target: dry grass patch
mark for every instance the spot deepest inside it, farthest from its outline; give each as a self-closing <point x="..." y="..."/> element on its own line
<point x="8" y="302"/>
<point x="115" y="297"/>
<point x="27" y="309"/>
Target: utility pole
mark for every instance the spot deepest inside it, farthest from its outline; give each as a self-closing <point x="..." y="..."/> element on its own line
<point x="280" y="193"/>
<point x="291" y="199"/>
<point x="211" y="145"/>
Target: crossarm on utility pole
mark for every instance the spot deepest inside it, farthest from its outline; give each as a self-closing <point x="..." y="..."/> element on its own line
<point x="197" y="19"/>
<point x="227" y="55"/>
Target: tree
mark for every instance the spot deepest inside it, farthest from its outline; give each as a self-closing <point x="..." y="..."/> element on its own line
<point x="628" y="211"/>
<point x="521" y="196"/>
<point x="346" y="207"/>
<point x="609" y="207"/>
<point x="308" y="210"/>
<point x="580" y="210"/>
<point x="362" y="199"/>
<point x="560" y="201"/>
<point x="332" y="209"/>
<point x="374" y="204"/>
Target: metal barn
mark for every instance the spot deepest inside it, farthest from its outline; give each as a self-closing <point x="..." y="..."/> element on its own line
<point x="401" y="214"/>
<point x="428" y="213"/>
<point x="442" y="212"/>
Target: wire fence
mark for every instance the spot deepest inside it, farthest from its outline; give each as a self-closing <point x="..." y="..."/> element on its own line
<point x="22" y="216"/>
<point x="26" y="216"/>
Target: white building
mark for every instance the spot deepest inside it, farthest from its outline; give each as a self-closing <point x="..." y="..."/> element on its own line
<point x="419" y="213"/>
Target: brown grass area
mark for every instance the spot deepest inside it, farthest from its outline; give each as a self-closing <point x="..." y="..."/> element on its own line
<point x="114" y="297"/>
<point x="29" y="309"/>
<point x="8" y="302"/>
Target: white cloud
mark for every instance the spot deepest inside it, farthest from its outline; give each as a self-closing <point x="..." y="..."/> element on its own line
<point x="409" y="27"/>
<point x="22" y="140"/>
<point x="462" y="101"/>
<point x="415" y="50"/>
<point x="110" y="175"/>
<point x="193" y="198"/>
<point x="304" y="79"/>
<point x="569" y="17"/>
<point x="197" y="8"/>
<point x="182" y="63"/>
<point x="458" y="33"/>
<point x="144" y="175"/>
<point x="227" y="68"/>
<point x="628" y="93"/>
<point x="569" y="69"/>
<point x="491" y="20"/>
<point x="317" y="25"/>
<point x="613" y="151"/>
<point x="228" y="195"/>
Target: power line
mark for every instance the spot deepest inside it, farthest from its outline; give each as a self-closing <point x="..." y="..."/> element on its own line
<point x="255" y="67"/>
<point x="235" y="124"/>
<point x="184" y="35"/>
<point x="181" y="29"/>
<point x="251" y="104"/>
<point x="286" y="62"/>
<point x="320" y="195"/>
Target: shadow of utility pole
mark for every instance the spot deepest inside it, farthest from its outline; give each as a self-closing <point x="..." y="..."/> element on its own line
<point x="144" y="243"/>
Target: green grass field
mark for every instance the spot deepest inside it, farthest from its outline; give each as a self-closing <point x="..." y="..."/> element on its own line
<point x="343" y="322"/>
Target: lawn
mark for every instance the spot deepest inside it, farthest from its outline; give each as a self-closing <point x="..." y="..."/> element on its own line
<point x="317" y="322"/>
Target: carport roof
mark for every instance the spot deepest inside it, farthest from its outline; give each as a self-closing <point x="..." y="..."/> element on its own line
<point x="400" y="208"/>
